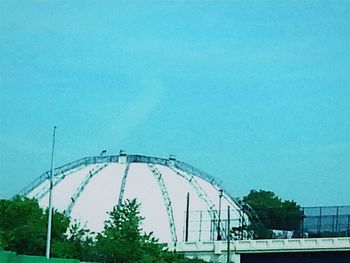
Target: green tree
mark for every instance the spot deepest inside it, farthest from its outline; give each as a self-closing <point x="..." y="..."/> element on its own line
<point x="23" y="227"/>
<point x="78" y="243"/>
<point x="273" y="212"/>
<point x="123" y="240"/>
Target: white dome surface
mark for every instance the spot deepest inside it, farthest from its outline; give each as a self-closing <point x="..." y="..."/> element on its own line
<point x="89" y="188"/>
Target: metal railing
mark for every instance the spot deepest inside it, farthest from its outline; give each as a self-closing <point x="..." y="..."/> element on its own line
<point x="202" y="227"/>
<point x="325" y="221"/>
<point x="329" y="221"/>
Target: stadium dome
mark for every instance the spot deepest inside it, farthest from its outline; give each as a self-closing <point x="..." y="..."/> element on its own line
<point x="90" y="187"/>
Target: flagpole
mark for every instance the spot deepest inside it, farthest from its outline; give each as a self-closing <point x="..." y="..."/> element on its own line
<point x="49" y="223"/>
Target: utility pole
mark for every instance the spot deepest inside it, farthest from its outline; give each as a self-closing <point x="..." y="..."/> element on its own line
<point x="219" y="221"/>
<point x="187" y="215"/>
<point x="49" y="223"/>
<point x="228" y="234"/>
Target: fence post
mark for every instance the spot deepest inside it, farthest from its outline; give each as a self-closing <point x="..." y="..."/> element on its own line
<point x="337" y="221"/>
<point x="200" y="225"/>
<point x="228" y="234"/>
<point x="187" y="215"/>
<point x="302" y="222"/>
<point x="319" y="222"/>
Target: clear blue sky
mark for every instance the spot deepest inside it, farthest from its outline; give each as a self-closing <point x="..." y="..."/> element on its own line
<point x="255" y="93"/>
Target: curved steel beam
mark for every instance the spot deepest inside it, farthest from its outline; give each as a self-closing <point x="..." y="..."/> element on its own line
<point x="199" y="191"/>
<point x="122" y="186"/>
<point x="64" y="168"/>
<point x="82" y="186"/>
<point x="166" y="198"/>
<point x="114" y="159"/>
<point x="213" y="212"/>
<point x="58" y="179"/>
<point x="131" y="159"/>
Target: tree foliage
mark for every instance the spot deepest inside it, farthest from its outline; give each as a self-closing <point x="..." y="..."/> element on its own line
<point x="23" y="226"/>
<point x="23" y="229"/>
<point x="273" y="212"/>
<point x="123" y="240"/>
<point x="122" y="236"/>
<point x="78" y="243"/>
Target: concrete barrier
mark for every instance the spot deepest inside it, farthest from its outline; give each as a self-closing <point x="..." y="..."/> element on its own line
<point x="216" y="251"/>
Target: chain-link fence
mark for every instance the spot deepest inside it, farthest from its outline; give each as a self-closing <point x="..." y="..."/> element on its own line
<point x="325" y="221"/>
<point x="310" y="222"/>
<point x="214" y="225"/>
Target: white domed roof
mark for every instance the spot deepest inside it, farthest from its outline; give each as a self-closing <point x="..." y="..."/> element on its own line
<point x="89" y="188"/>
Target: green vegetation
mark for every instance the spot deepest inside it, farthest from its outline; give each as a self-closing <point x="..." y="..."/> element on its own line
<point x="273" y="212"/>
<point x="23" y="226"/>
<point x="23" y="230"/>
<point x="12" y="257"/>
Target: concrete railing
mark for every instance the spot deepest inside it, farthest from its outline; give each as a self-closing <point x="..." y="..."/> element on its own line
<point x="292" y="245"/>
<point x="216" y="251"/>
<point x="265" y="245"/>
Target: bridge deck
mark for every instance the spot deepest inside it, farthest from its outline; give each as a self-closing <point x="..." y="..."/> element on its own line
<point x="217" y="250"/>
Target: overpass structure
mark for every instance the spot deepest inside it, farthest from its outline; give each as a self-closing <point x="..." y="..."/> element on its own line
<point x="268" y="250"/>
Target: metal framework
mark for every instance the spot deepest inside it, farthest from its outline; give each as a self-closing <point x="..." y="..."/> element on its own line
<point x="199" y="191"/>
<point x="167" y="201"/>
<point x="82" y="186"/>
<point x="205" y="176"/>
<point x="122" y="186"/>
<point x="64" y="168"/>
<point x="114" y="159"/>
<point x="58" y="178"/>
<point x="151" y="161"/>
<point x="213" y="213"/>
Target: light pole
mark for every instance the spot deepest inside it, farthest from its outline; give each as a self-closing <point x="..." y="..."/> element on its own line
<point x="187" y="215"/>
<point x="228" y="234"/>
<point x="49" y="223"/>
<point x="219" y="221"/>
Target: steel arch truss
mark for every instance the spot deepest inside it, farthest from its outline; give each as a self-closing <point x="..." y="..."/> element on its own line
<point x="78" y="164"/>
<point x="56" y="180"/>
<point x="182" y="166"/>
<point x="114" y="159"/>
<point x="122" y="186"/>
<point x="95" y="170"/>
<point x="166" y="198"/>
<point x="199" y="191"/>
<point x="213" y="212"/>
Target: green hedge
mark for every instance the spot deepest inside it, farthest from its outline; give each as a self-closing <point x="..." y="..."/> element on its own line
<point x="11" y="257"/>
